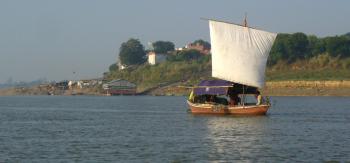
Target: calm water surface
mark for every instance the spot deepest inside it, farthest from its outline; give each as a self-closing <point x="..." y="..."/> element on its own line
<point x="158" y="129"/>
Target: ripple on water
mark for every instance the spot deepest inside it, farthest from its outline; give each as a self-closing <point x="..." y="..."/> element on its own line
<point x="158" y="129"/>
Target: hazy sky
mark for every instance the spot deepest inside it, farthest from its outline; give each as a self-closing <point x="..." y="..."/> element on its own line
<point x="52" y="39"/>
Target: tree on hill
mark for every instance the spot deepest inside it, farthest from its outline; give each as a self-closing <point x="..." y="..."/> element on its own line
<point x="338" y="46"/>
<point x="297" y="46"/>
<point x="205" y="44"/>
<point x="113" y="67"/>
<point x="163" y="46"/>
<point x="289" y="47"/>
<point x="347" y="34"/>
<point x="185" y="55"/>
<point x="132" y="52"/>
<point x="316" y="46"/>
<point x="279" y="49"/>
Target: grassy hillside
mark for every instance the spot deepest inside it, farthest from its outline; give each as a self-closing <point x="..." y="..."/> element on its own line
<point x="322" y="67"/>
<point x="308" y="74"/>
<point x="147" y="76"/>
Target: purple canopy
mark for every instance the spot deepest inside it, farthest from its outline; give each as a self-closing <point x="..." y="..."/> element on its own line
<point x="213" y="87"/>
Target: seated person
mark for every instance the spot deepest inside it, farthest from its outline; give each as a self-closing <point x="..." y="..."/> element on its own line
<point x="221" y="100"/>
<point x="234" y="99"/>
<point x="210" y="99"/>
<point x="199" y="99"/>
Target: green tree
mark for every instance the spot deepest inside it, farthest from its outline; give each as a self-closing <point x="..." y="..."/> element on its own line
<point x="297" y="46"/>
<point x="185" y="55"/>
<point x="205" y="44"/>
<point x="347" y="34"/>
<point x="163" y="46"/>
<point x="113" y="67"/>
<point x="316" y="46"/>
<point x="132" y="52"/>
<point x="338" y="46"/>
<point x="279" y="49"/>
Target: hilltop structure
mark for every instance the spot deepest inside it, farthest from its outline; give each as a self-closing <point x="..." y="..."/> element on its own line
<point x="154" y="58"/>
<point x="200" y="47"/>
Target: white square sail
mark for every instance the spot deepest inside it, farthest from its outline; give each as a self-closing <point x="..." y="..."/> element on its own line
<point x="239" y="53"/>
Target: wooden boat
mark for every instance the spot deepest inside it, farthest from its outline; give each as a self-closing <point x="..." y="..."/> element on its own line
<point x="239" y="55"/>
<point x="226" y="109"/>
<point x="220" y="89"/>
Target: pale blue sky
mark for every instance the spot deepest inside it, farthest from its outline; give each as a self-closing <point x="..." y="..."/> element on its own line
<point x="51" y="39"/>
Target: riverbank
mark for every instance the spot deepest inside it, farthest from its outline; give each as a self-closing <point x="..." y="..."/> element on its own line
<point x="281" y="88"/>
<point x="40" y="91"/>
<point x="307" y="88"/>
<point x="272" y="88"/>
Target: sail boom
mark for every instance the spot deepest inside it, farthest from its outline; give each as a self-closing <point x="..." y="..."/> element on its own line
<point x="227" y="22"/>
<point x="238" y="82"/>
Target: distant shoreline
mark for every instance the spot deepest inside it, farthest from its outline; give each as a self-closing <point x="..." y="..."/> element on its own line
<point x="308" y="88"/>
<point x="282" y="88"/>
<point x="272" y="88"/>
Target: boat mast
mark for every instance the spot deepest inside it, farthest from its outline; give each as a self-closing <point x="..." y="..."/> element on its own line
<point x="245" y="23"/>
<point x="243" y="96"/>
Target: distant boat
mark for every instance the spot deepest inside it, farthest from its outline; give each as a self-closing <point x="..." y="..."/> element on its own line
<point x="239" y="56"/>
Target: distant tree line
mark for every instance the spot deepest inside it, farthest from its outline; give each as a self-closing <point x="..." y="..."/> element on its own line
<point x="184" y="55"/>
<point x="133" y="52"/>
<point x="287" y="47"/>
<point x="291" y="47"/>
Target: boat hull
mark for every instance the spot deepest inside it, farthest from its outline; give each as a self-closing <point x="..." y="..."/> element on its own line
<point x="230" y="110"/>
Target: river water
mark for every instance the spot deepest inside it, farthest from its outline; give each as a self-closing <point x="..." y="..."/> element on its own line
<point x="158" y="129"/>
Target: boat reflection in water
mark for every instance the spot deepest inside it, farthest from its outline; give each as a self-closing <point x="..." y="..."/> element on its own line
<point x="242" y="138"/>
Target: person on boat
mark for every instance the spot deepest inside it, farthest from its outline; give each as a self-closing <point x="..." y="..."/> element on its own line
<point x="191" y="97"/>
<point x="258" y="98"/>
<point x="210" y="99"/>
<point x="220" y="100"/>
<point x="234" y="99"/>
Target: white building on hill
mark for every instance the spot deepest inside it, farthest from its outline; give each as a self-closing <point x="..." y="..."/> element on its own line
<point x="154" y="58"/>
